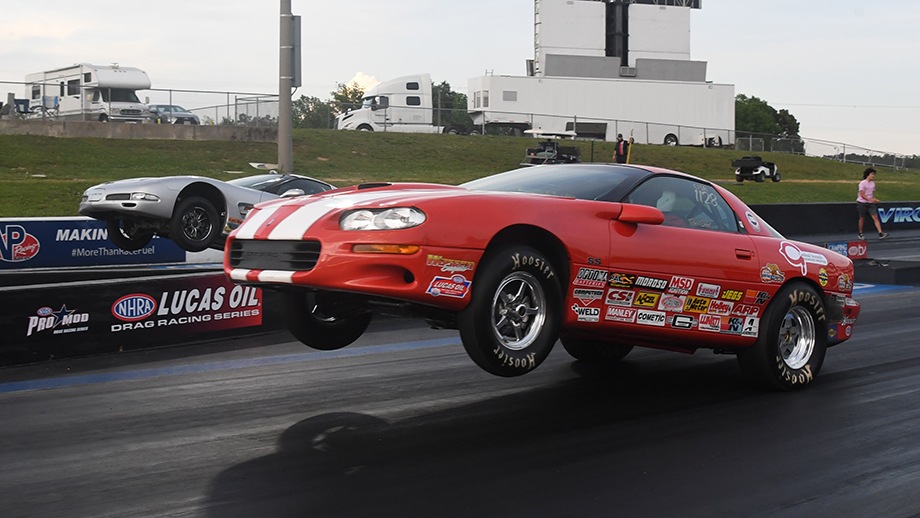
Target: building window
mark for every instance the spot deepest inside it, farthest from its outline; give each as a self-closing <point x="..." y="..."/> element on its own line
<point x="36" y="92"/>
<point x="509" y="95"/>
<point x="485" y="98"/>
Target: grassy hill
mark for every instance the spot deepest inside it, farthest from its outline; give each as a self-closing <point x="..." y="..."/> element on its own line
<point x="42" y="176"/>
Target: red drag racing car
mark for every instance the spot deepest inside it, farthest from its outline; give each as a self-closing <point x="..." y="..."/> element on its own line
<point x="603" y="257"/>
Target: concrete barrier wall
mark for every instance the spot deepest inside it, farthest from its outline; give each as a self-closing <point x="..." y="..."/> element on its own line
<point x="82" y="129"/>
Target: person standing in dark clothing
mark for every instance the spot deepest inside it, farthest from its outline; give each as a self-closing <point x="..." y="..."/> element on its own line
<point x="621" y="153"/>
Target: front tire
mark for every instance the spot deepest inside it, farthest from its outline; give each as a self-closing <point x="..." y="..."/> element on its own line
<point x="792" y="340"/>
<point x="776" y="177"/>
<point x="671" y="140"/>
<point x="127" y="235"/>
<point x="593" y="351"/>
<point x="195" y="224"/>
<point x="321" y="328"/>
<point x="512" y="320"/>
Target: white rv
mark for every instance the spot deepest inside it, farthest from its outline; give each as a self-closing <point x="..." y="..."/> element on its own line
<point x="402" y="105"/>
<point x="89" y="92"/>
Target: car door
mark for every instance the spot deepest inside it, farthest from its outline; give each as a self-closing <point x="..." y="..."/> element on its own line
<point x="696" y="267"/>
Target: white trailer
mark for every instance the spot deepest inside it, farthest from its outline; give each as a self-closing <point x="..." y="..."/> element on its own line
<point x="653" y="112"/>
<point x="89" y="92"/>
<point x="402" y="105"/>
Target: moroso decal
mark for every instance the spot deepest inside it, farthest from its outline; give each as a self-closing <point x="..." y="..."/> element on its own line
<point x="455" y="286"/>
<point x="651" y="283"/>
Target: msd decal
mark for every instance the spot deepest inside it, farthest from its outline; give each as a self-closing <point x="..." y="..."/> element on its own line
<point x="17" y="245"/>
<point x="680" y="285"/>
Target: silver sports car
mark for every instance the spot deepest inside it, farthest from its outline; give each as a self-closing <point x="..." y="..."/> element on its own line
<point x="194" y="211"/>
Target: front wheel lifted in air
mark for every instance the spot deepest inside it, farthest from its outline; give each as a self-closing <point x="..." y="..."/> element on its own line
<point x="322" y="326"/>
<point x="512" y="320"/>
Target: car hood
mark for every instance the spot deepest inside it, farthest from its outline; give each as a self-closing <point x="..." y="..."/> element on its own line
<point x="168" y="182"/>
<point x="375" y="195"/>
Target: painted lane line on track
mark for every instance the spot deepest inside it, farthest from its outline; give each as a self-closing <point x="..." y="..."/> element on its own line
<point x="143" y="374"/>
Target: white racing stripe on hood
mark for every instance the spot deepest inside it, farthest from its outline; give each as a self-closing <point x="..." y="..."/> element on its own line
<point x="297" y="224"/>
<point x="251" y="224"/>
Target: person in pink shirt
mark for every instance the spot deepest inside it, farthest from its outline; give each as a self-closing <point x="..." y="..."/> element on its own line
<point x="866" y="203"/>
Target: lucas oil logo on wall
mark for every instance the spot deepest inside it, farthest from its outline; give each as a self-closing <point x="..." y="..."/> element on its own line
<point x="207" y="307"/>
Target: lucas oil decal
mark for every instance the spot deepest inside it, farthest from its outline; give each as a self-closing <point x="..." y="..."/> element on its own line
<point x="455" y="286"/>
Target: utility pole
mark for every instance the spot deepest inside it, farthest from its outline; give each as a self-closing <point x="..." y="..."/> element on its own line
<point x="285" y="87"/>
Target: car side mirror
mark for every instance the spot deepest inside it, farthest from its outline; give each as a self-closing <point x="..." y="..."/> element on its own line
<point x="290" y="193"/>
<point x="634" y="213"/>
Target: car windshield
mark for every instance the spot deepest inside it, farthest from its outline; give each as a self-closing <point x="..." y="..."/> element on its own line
<point x="169" y="108"/>
<point x="259" y="182"/>
<point x="582" y="181"/>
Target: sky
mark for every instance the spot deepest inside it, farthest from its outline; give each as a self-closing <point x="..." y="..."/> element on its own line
<point x="844" y="69"/>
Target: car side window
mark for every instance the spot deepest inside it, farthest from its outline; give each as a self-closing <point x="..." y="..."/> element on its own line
<point x="685" y="203"/>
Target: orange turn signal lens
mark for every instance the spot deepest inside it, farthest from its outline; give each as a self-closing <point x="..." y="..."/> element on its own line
<point x="385" y="249"/>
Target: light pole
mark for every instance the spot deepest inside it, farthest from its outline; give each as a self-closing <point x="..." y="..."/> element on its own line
<point x="285" y="86"/>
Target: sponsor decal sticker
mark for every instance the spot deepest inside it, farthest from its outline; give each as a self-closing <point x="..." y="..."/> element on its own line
<point x="751" y="327"/>
<point x="651" y="283"/>
<point x="753" y="221"/>
<point x="620" y="297"/>
<point x="844" y="282"/>
<point x="710" y="323"/>
<point x="822" y="277"/>
<point x="455" y="286"/>
<point x="587" y="295"/>
<point x="621" y="280"/>
<point x="735" y="325"/>
<point x="591" y="278"/>
<point x="683" y="322"/>
<point x="672" y="303"/>
<point x="756" y="297"/>
<point x="721" y="308"/>
<point x="449" y="265"/>
<point x="587" y="314"/>
<point x="746" y="310"/>
<point x="696" y="304"/>
<point x="708" y="290"/>
<point x="618" y="314"/>
<point x="646" y="299"/>
<point x="732" y="295"/>
<point x="795" y="256"/>
<point x="680" y="285"/>
<point x="650" y="318"/>
<point x="771" y="273"/>
<point x="62" y="321"/>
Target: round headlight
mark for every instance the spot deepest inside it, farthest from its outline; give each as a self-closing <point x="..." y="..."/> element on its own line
<point x="382" y="219"/>
<point x="357" y="220"/>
